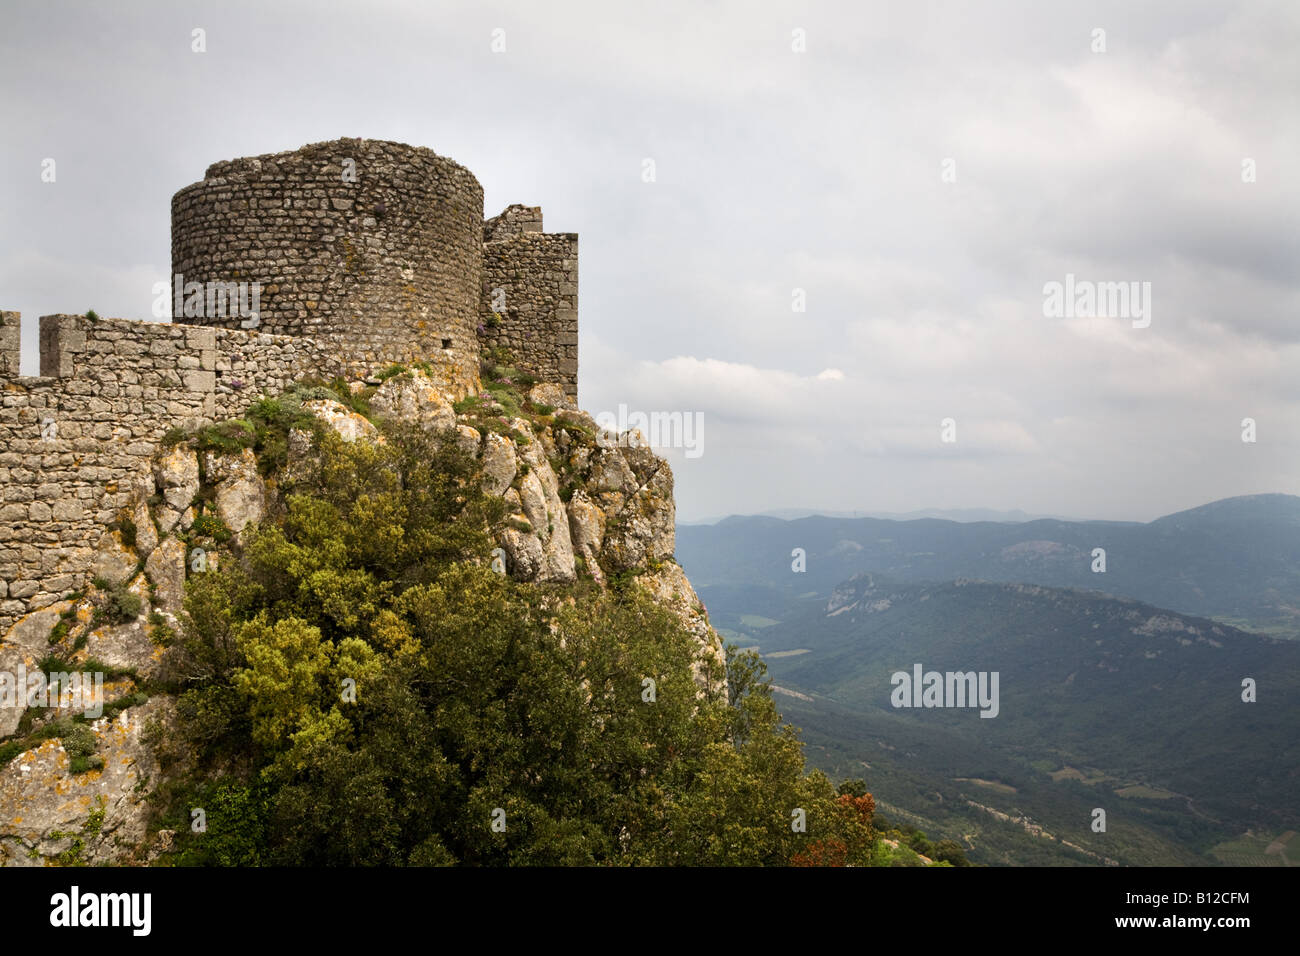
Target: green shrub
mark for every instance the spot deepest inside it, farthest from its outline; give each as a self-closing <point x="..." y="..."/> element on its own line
<point x="356" y="401"/>
<point x="228" y="437"/>
<point x="951" y="852"/>
<point x="125" y="605"/>
<point x="276" y="417"/>
<point x="110" y="671"/>
<point x="138" y="699"/>
<point x="60" y="630"/>
<point x="162" y="636"/>
<point x="9" y="750"/>
<point x="573" y="424"/>
<point x="281" y="414"/>
<point x="854" y="787"/>
<point x="303" y="392"/>
<point x="126" y="527"/>
<point x="120" y="605"/>
<point x="208" y="525"/>
<point x="236" y="832"/>
<point x="79" y="741"/>
<point x="80" y="765"/>
<point x="29" y="720"/>
<point x="160" y="632"/>
<point x="506" y="396"/>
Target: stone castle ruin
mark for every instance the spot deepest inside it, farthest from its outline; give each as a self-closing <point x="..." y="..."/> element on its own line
<point x="337" y="259"/>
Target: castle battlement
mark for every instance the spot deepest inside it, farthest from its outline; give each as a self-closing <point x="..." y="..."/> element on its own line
<point x="530" y="294"/>
<point x="362" y="254"/>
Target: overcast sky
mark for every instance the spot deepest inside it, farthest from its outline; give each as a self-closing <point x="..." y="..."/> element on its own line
<point x="774" y="170"/>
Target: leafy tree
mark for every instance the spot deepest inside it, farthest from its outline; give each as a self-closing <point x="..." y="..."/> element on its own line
<point x="852" y="838"/>
<point x="952" y="852"/>
<point x="854" y="787"/>
<point x="362" y="689"/>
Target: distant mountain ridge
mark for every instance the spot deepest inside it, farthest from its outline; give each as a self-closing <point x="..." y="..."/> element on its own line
<point x="1237" y="559"/>
<point x="1104" y="702"/>
<point x="946" y="514"/>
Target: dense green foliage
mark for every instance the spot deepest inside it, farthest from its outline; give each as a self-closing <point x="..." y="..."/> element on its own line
<point x="947" y="851"/>
<point x="359" y="687"/>
<point x="118" y="605"/>
<point x="269" y="421"/>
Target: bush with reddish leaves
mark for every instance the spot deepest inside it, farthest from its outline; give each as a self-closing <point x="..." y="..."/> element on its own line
<point x="849" y="837"/>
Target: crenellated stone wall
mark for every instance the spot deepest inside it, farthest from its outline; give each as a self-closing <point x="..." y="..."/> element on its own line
<point x="76" y="440"/>
<point x="11" y="331"/>
<point x="530" y="295"/>
<point x="364" y="253"/>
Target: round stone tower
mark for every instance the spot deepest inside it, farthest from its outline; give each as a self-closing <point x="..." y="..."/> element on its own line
<point x="371" y="247"/>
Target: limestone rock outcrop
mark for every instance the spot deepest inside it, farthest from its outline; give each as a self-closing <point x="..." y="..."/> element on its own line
<point x="581" y="501"/>
<point x="240" y="491"/>
<point x="176" y="473"/>
<point x="549" y="394"/>
<point x="95" y="818"/>
<point x="165" y="569"/>
<point x="668" y="585"/>
<point x="413" y="397"/>
<point x="348" y="424"/>
<point x="114" y="561"/>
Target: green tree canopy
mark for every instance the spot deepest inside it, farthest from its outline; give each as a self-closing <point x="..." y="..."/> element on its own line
<point x="359" y="687"/>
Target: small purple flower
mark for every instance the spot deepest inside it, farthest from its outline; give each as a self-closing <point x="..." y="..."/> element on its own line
<point x="236" y="384"/>
<point x="481" y="328"/>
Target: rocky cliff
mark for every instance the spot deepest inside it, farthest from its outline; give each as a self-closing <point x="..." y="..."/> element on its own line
<point x="583" y="502"/>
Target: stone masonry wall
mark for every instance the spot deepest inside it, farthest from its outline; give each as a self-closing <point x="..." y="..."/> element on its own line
<point x="78" y="438"/>
<point x="371" y="245"/>
<point x="10" y="344"/>
<point x="530" y="295"/>
<point x="513" y="221"/>
<point x="396" y="267"/>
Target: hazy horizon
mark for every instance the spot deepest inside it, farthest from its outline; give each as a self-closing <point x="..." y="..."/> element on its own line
<point x="785" y="513"/>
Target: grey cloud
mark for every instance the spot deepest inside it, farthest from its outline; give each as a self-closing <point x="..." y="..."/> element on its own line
<point x="776" y="170"/>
